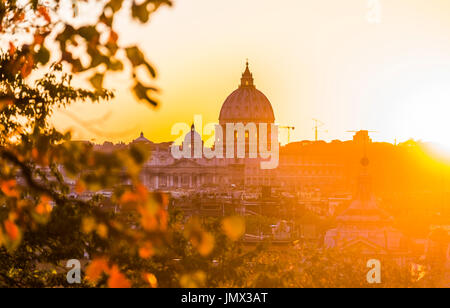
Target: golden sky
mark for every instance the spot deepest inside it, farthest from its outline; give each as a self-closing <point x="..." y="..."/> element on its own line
<point x="312" y="58"/>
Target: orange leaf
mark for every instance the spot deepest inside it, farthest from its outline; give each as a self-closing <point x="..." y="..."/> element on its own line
<point x="1" y="238"/>
<point x="140" y="195"/>
<point x="165" y="200"/>
<point x="44" y="13"/>
<point x="146" y="251"/>
<point x="151" y="279"/>
<point x="44" y="207"/>
<point x="194" y="280"/>
<point x="206" y="245"/>
<point x="35" y="154"/>
<point x="113" y="37"/>
<point x="163" y="219"/>
<point x="142" y="192"/>
<point x="9" y="188"/>
<point x="80" y="187"/>
<point x="19" y="17"/>
<point x="234" y="227"/>
<point x="128" y="197"/>
<point x="88" y="225"/>
<point x="148" y="220"/>
<point x="102" y="230"/>
<point x="95" y="270"/>
<point x="27" y="65"/>
<point x="117" y="280"/>
<point x="38" y="39"/>
<point x="12" y="49"/>
<point x="12" y="230"/>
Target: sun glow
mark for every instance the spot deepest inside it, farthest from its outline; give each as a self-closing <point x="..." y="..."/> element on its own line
<point x="423" y="108"/>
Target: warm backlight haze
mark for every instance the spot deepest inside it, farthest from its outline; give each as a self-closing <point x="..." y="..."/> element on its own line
<point x="313" y="59"/>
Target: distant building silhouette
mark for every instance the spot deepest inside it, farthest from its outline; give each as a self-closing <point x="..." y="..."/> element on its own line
<point x="362" y="137"/>
<point x="364" y="227"/>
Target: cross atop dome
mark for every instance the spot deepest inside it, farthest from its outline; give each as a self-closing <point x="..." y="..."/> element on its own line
<point x="247" y="78"/>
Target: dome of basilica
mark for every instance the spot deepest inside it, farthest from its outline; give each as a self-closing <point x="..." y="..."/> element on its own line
<point x="247" y="104"/>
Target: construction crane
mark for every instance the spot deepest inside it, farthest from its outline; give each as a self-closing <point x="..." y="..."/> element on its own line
<point x="317" y="125"/>
<point x="289" y="128"/>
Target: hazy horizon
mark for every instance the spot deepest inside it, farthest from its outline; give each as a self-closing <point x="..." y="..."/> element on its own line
<point x="316" y="59"/>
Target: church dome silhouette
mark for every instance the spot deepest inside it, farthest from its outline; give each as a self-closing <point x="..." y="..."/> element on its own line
<point x="141" y="139"/>
<point x="247" y="104"/>
<point x="192" y="137"/>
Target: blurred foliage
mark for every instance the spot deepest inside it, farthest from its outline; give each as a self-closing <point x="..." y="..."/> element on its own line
<point x="51" y="30"/>
<point x="52" y="189"/>
<point x="52" y="209"/>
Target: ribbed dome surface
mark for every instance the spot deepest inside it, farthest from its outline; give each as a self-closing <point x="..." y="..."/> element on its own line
<point x="247" y="104"/>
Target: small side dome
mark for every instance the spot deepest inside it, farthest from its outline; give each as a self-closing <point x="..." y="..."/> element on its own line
<point x="192" y="137"/>
<point x="141" y="139"/>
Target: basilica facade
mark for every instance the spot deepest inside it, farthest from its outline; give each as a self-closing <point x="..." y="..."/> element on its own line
<point x="245" y="105"/>
<point x="302" y="165"/>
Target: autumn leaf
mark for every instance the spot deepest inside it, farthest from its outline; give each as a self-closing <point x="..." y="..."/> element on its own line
<point x="95" y="270"/>
<point x="113" y="37"/>
<point x="80" y="187"/>
<point x="38" y="39"/>
<point x="12" y="49"/>
<point x="44" y="13"/>
<point x="9" y="188"/>
<point x="44" y="207"/>
<point x="146" y="251"/>
<point x="13" y="235"/>
<point x="142" y="91"/>
<point x="148" y="220"/>
<point x="135" y="56"/>
<point x="27" y="66"/>
<point x="194" y="280"/>
<point x="128" y="197"/>
<point x="97" y="81"/>
<point x="162" y="199"/>
<point x="142" y="191"/>
<point x="163" y="217"/>
<point x="88" y="225"/>
<point x="234" y="227"/>
<point x="117" y="280"/>
<point x="2" y="240"/>
<point x="201" y="240"/>
<point x="12" y="230"/>
<point x="102" y="231"/>
<point x="20" y="16"/>
<point x="115" y="5"/>
<point x="140" y="195"/>
<point x="206" y="244"/>
<point x="151" y="279"/>
<point x="153" y="217"/>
